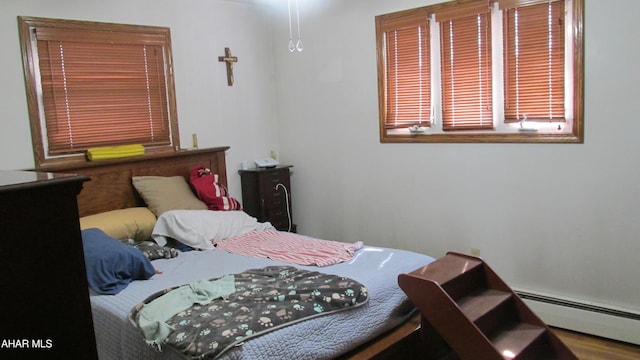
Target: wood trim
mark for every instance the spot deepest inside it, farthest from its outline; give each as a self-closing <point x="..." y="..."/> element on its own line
<point x="110" y="187"/>
<point x="29" y="59"/>
<point x="391" y="345"/>
<point x="489" y="136"/>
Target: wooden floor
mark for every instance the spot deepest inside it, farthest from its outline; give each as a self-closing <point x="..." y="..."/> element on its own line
<point x="587" y="347"/>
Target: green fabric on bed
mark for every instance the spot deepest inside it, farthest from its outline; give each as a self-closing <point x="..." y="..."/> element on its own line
<point x="154" y="315"/>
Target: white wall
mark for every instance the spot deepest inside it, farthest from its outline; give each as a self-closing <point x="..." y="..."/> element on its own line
<point x="574" y="234"/>
<point x="242" y="116"/>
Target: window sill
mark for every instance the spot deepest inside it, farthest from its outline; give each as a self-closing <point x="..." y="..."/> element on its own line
<point x="484" y="137"/>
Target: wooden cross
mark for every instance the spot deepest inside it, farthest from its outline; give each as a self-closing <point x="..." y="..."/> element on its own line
<point x="229" y="60"/>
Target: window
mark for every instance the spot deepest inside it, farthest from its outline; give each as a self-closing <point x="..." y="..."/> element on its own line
<point x="534" y="62"/>
<point x="96" y="84"/>
<point x="408" y="72"/>
<point x="466" y="67"/>
<point x="482" y="71"/>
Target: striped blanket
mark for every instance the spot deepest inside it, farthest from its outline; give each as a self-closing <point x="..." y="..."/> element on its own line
<point x="289" y="247"/>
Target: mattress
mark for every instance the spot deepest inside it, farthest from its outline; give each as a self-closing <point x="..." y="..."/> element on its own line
<point x="322" y="337"/>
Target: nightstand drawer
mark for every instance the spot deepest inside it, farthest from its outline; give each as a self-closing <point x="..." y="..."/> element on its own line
<point x="266" y="195"/>
<point x="277" y="214"/>
<point x="276" y="177"/>
<point x="275" y="198"/>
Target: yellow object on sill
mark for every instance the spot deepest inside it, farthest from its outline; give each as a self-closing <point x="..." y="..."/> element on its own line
<point x="114" y="152"/>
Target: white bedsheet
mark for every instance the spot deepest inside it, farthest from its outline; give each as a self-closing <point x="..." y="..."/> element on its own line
<point x="321" y="338"/>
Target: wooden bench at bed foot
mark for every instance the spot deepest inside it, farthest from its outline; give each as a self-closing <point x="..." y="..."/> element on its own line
<point x="469" y="313"/>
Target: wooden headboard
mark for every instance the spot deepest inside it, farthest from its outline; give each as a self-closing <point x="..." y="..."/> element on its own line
<point x="110" y="187"/>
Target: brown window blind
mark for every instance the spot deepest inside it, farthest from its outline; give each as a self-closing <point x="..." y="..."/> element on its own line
<point x="534" y="60"/>
<point x="102" y="88"/>
<point x="407" y="78"/>
<point x="465" y="35"/>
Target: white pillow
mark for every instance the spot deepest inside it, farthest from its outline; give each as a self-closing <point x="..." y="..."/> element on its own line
<point x="200" y="228"/>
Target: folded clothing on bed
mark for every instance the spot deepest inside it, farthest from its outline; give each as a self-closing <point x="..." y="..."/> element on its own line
<point x="114" y="152"/>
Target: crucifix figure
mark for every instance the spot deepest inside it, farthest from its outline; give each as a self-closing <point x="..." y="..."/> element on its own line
<point x="227" y="58"/>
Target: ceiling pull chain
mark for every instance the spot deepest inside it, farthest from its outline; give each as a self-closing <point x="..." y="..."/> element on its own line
<point x="292" y="47"/>
<point x="299" y="43"/>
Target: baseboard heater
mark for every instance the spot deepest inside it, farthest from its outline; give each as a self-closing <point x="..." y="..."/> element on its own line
<point x="595" y="319"/>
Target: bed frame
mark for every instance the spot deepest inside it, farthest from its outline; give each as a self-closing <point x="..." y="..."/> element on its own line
<point x="110" y="188"/>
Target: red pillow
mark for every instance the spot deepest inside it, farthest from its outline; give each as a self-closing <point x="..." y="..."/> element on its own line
<point x="205" y="185"/>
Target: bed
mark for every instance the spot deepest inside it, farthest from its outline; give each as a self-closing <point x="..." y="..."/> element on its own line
<point x="363" y="332"/>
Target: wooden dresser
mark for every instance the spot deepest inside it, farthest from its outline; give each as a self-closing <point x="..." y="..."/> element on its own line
<point x="45" y="309"/>
<point x="266" y="195"/>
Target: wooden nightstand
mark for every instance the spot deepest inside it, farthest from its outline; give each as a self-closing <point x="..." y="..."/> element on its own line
<point x="266" y="195"/>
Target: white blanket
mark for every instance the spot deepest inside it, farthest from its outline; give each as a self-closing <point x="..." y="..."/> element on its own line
<point x="200" y="228"/>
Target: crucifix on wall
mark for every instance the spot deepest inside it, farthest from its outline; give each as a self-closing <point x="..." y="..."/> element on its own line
<point x="227" y="58"/>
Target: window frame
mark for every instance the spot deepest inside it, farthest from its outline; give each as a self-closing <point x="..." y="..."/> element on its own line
<point x="574" y="34"/>
<point x="34" y="92"/>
